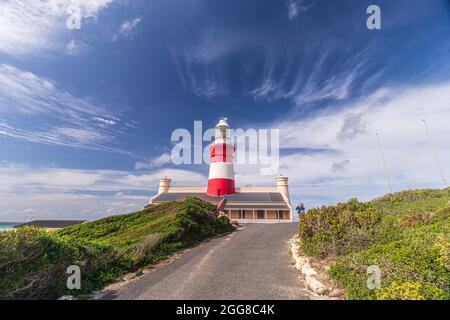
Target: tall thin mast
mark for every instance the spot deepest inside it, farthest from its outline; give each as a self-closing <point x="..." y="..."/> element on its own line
<point x="434" y="152"/>
<point x="384" y="163"/>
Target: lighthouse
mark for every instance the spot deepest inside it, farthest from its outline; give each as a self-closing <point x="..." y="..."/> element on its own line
<point x="221" y="170"/>
<point x="250" y="204"/>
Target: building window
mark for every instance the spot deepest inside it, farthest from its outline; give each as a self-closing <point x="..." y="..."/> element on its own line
<point x="241" y="214"/>
<point x="260" y="214"/>
<point x="280" y="214"/>
<point x="234" y="214"/>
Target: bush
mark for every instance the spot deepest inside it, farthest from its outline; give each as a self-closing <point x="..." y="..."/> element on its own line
<point x="33" y="262"/>
<point x="413" y="195"/>
<point x="399" y="264"/>
<point x="406" y="234"/>
<point x="147" y="245"/>
<point x="421" y="256"/>
<point x="409" y="291"/>
<point x="337" y="230"/>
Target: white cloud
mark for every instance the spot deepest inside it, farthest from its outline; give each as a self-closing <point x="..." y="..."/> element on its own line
<point x="155" y="162"/>
<point x="65" y="119"/>
<point x="29" y="27"/>
<point x="312" y="82"/>
<point x="66" y="206"/>
<point x="198" y="62"/>
<point x="76" y="48"/>
<point x="212" y="45"/>
<point x="344" y="160"/>
<point x="127" y="29"/>
<point x="79" y="194"/>
<point x="26" y="93"/>
<point x="295" y="8"/>
<point x="105" y="122"/>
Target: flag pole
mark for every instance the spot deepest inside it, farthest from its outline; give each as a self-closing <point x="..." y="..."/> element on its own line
<point x="384" y="163"/>
<point x="434" y="152"/>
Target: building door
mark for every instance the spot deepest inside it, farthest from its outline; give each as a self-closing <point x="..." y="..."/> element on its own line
<point x="260" y="214"/>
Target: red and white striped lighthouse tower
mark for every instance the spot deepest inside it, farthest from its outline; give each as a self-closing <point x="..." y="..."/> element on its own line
<point x="221" y="170"/>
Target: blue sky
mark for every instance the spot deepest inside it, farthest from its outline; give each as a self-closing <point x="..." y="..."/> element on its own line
<point x="86" y="115"/>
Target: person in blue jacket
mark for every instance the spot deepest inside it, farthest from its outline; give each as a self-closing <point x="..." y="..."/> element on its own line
<point x="300" y="208"/>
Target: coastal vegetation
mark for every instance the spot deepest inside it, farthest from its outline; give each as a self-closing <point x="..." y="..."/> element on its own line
<point x="33" y="262"/>
<point x="406" y="235"/>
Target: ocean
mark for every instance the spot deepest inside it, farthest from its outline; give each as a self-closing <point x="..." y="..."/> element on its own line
<point x="7" y="225"/>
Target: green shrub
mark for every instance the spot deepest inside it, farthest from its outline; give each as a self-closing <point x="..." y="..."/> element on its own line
<point x="33" y="262"/>
<point x="337" y="230"/>
<point x="421" y="256"/>
<point x="146" y="245"/>
<point x="410" y="291"/>
<point x="406" y="234"/>
<point x="413" y="195"/>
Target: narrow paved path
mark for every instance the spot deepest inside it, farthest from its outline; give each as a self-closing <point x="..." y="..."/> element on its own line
<point x="251" y="263"/>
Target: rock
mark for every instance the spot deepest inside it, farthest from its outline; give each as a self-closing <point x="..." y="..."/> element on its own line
<point x="307" y="270"/>
<point x="299" y="262"/>
<point x="315" y="285"/>
<point x="302" y="264"/>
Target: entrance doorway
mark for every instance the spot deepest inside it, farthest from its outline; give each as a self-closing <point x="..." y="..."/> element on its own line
<point x="260" y="214"/>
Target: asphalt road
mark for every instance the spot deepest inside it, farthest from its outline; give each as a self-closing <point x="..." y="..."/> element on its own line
<point x="251" y="263"/>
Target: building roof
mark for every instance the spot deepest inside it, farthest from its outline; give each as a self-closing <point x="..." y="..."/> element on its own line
<point x="253" y="197"/>
<point x="241" y="200"/>
<point x="257" y="207"/>
<point x="50" y="223"/>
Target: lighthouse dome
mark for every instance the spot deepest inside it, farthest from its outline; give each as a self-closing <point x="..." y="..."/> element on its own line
<point x="223" y="123"/>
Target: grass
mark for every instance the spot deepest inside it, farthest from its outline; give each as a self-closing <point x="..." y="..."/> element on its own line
<point x="406" y="234"/>
<point x="33" y="262"/>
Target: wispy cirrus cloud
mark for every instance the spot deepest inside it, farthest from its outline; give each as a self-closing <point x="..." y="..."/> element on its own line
<point x="30" y="27"/>
<point x="127" y="29"/>
<point x="295" y="8"/>
<point x="302" y="74"/>
<point x="199" y="62"/>
<point x="64" y="119"/>
<point x="26" y="93"/>
<point x="317" y="77"/>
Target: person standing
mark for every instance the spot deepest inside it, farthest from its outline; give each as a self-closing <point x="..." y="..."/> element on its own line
<point x="300" y="208"/>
